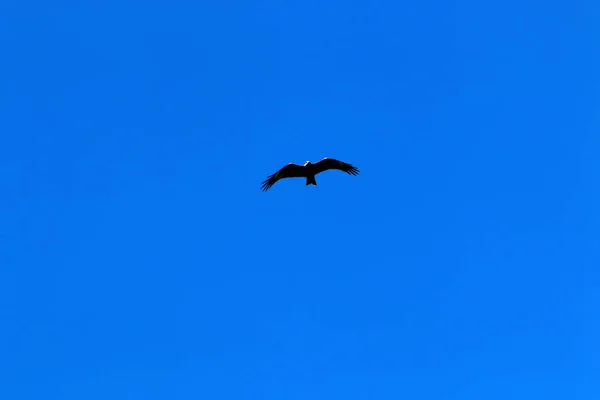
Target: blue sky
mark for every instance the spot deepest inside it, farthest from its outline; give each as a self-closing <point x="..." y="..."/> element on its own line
<point x="140" y="260"/>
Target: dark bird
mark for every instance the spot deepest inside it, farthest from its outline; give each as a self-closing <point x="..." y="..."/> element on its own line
<point x="308" y="171"/>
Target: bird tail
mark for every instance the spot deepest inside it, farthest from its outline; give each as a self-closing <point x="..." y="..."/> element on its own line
<point x="310" y="180"/>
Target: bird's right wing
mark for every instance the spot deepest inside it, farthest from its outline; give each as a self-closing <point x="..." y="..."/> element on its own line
<point x="331" y="163"/>
<point x="289" y="171"/>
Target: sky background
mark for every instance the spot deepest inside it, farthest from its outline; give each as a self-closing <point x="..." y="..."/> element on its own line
<point x="140" y="260"/>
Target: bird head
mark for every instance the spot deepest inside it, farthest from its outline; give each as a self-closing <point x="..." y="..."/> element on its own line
<point x="307" y="163"/>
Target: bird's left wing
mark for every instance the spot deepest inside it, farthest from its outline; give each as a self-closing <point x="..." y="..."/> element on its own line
<point x="289" y="171"/>
<point x="332" y="163"/>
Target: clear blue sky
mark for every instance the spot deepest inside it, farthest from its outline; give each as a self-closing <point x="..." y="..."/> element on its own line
<point x="140" y="260"/>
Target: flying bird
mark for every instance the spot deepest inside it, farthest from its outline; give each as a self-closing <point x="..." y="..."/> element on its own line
<point x="308" y="171"/>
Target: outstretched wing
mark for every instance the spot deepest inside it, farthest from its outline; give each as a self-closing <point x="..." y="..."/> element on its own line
<point x="289" y="171"/>
<point x="331" y="163"/>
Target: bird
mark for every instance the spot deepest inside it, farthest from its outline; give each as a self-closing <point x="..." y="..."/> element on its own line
<point x="308" y="171"/>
